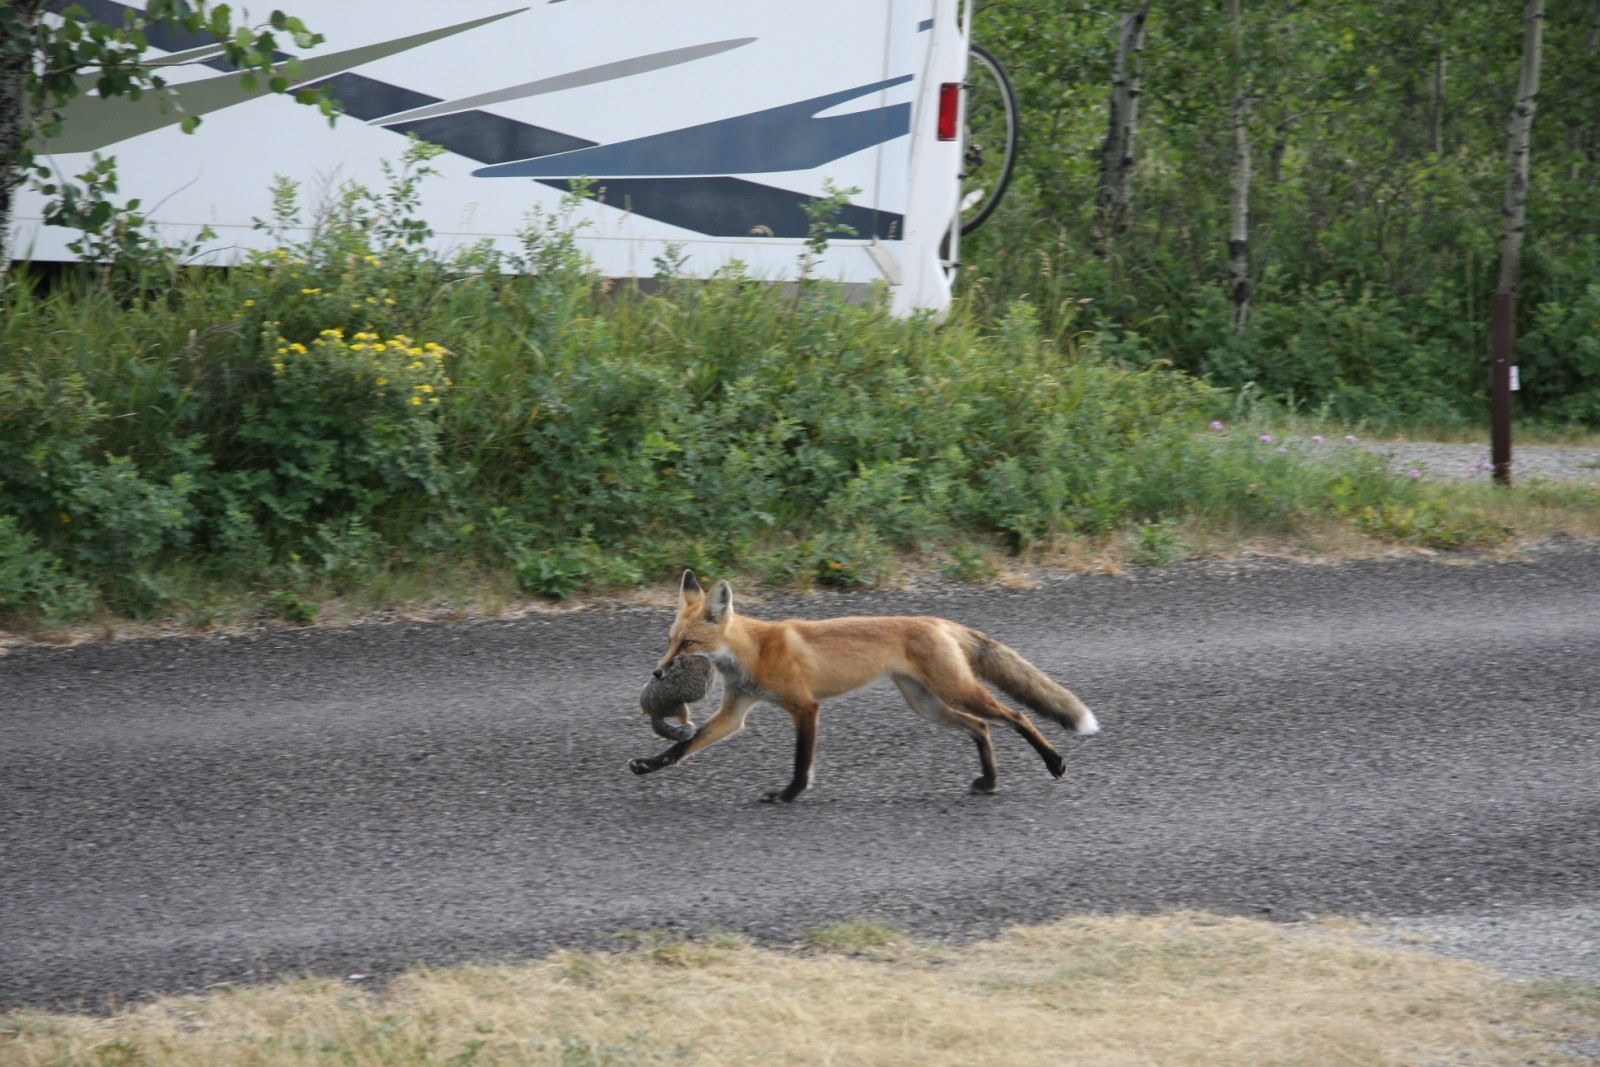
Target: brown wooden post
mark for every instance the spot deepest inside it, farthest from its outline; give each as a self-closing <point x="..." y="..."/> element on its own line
<point x="1502" y="330"/>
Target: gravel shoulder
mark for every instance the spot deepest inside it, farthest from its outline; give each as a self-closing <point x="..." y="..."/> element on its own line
<point x="1525" y="942"/>
<point x="1470" y="462"/>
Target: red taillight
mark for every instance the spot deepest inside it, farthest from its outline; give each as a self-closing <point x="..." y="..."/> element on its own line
<point x="949" y="110"/>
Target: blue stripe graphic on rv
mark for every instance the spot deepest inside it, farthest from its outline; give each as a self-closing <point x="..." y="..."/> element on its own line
<point x="714" y="206"/>
<point x="784" y="138"/>
<point x="731" y="207"/>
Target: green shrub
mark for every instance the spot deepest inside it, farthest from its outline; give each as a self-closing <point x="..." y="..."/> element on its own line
<point x="280" y="427"/>
<point x="1559" y="359"/>
<point x="35" y="582"/>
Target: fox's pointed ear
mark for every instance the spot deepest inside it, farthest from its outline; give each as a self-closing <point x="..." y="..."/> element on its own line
<point x="721" y="602"/>
<point x="690" y="590"/>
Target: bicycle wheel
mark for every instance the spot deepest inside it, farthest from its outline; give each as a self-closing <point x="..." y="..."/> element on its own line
<point x="989" y="141"/>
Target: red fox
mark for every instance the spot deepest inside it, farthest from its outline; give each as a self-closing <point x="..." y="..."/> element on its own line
<point x="796" y="663"/>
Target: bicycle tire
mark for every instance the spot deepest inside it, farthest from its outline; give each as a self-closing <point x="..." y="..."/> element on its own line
<point x="990" y="96"/>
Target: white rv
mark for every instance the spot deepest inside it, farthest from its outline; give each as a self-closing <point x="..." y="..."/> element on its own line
<point x="705" y="124"/>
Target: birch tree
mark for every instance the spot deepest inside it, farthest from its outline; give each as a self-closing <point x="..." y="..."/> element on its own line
<point x="1436" y="111"/>
<point x="1590" y="138"/>
<point x="1239" y="201"/>
<point x="1116" y="154"/>
<point x="1519" y="135"/>
<point x="17" y="68"/>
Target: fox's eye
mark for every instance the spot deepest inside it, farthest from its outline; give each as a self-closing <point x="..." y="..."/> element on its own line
<point x="686" y="643"/>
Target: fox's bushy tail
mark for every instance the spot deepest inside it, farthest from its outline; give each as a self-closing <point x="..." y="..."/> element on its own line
<point x="1028" y="685"/>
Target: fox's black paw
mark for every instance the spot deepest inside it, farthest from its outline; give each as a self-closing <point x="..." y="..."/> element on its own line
<point x="776" y="796"/>
<point x="642" y="766"/>
<point x="984" y="786"/>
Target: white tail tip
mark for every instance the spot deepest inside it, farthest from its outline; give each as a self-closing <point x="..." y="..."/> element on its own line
<point x="1088" y="724"/>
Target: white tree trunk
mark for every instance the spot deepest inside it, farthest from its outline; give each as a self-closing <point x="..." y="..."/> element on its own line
<point x="1518" y="135"/>
<point x="1239" y="228"/>
<point x="1239" y="231"/>
<point x="1591" y="47"/>
<point x="1437" y="118"/>
<point x="1116" y="155"/>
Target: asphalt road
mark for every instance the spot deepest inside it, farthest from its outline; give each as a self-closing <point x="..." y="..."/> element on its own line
<point x="1406" y="738"/>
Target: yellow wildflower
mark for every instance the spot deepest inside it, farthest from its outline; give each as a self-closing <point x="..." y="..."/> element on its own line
<point x="308" y="292"/>
<point x="416" y="400"/>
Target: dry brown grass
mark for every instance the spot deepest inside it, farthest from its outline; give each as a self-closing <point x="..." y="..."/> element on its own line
<point x="1164" y="990"/>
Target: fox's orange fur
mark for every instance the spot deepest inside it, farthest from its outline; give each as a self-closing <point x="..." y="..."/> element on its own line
<point x="797" y="663"/>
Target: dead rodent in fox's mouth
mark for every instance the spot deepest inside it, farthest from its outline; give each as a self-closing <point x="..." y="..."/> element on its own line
<point x="666" y="699"/>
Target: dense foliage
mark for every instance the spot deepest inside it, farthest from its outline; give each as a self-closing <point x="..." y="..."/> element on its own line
<point x="350" y="406"/>
<point x="1378" y="142"/>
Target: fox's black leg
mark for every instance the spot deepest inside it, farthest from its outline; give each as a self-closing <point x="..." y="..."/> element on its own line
<point x="729" y="719"/>
<point x="988" y="781"/>
<point x="805" y="754"/>
<point x="979" y="703"/>
<point x="665" y="759"/>
<point x="1052" y="759"/>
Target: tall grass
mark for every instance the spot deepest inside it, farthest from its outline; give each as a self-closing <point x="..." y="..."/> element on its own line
<point x="355" y="407"/>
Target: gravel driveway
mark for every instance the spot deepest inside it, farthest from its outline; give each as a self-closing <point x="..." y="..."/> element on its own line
<point x="1396" y="740"/>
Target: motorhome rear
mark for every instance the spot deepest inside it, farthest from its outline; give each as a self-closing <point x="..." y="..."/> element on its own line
<point x="708" y="125"/>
